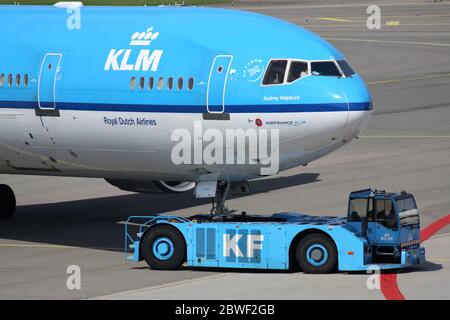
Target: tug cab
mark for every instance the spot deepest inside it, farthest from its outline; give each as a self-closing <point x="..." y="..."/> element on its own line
<point x="389" y="222"/>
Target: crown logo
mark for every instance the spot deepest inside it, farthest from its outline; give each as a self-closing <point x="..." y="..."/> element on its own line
<point x="143" y="38"/>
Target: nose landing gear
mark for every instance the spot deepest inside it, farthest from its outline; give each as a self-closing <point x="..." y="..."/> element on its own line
<point x="7" y="202"/>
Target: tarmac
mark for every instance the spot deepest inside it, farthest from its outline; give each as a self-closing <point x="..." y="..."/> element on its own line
<point x="73" y="221"/>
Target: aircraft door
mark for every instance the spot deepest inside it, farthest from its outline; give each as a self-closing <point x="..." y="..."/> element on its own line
<point x="48" y="78"/>
<point x="217" y="82"/>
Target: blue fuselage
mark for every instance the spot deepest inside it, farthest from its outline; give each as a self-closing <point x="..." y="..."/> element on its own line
<point x="110" y="82"/>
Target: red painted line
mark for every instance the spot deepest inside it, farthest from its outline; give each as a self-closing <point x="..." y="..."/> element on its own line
<point x="434" y="227"/>
<point x="389" y="287"/>
<point x="388" y="281"/>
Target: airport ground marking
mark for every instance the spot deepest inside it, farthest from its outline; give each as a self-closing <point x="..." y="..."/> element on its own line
<point x="361" y="25"/>
<point x="437" y="44"/>
<point x="48" y="246"/>
<point x="406" y="137"/>
<point x="334" y="19"/>
<point x="392" y="23"/>
<point x="119" y="295"/>
<point x="363" y="18"/>
<point x="349" y="5"/>
<point x="388" y="281"/>
<point x="443" y="75"/>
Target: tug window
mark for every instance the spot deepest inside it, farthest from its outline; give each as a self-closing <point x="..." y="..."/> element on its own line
<point x="385" y="213"/>
<point x="325" y="68"/>
<point x="358" y="209"/>
<point x="151" y="82"/>
<point x="141" y="83"/>
<point x="132" y="83"/>
<point x="345" y="67"/>
<point x="191" y="83"/>
<point x="275" y="72"/>
<point x="297" y="70"/>
<point x="2" y="80"/>
<point x="160" y="83"/>
<point x="170" y="83"/>
<point x="361" y="208"/>
<point x="180" y="83"/>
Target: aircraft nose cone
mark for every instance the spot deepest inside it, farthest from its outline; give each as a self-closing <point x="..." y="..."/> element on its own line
<point x="360" y="106"/>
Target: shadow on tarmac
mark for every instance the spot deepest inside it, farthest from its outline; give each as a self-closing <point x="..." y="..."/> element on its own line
<point x="426" y="267"/>
<point x="93" y="223"/>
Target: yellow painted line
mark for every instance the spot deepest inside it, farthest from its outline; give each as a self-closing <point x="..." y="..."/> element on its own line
<point x="437" y="44"/>
<point x="444" y="75"/>
<point x="406" y="137"/>
<point x="334" y="19"/>
<point x="392" y="23"/>
<point x="364" y="18"/>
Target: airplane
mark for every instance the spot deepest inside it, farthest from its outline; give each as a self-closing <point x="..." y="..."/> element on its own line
<point x="98" y="92"/>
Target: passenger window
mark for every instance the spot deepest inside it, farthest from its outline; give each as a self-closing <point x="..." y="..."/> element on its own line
<point x="325" y="68"/>
<point x="297" y="70"/>
<point x="191" y="83"/>
<point x="275" y="72"/>
<point x="180" y="83"/>
<point x="17" y="80"/>
<point x="170" y="83"/>
<point x="132" y="83"/>
<point x="141" y="83"/>
<point x="345" y="67"/>
<point x="9" y="80"/>
<point x="2" y="80"/>
<point x="25" y="80"/>
<point x="160" y="83"/>
<point x="151" y="83"/>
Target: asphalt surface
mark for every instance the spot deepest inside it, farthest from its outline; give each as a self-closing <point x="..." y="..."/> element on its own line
<point x="68" y="221"/>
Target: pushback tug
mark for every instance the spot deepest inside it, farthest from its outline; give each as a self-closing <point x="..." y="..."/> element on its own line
<point x="381" y="230"/>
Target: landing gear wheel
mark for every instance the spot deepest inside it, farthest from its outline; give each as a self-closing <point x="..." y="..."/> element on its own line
<point x="163" y="248"/>
<point x="316" y="253"/>
<point x="7" y="202"/>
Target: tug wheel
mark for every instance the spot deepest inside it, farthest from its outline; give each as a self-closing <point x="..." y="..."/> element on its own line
<point x="316" y="253"/>
<point x="7" y="202"/>
<point x="163" y="248"/>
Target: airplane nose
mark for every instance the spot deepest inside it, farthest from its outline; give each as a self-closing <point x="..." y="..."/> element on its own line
<point x="359" y="106"/>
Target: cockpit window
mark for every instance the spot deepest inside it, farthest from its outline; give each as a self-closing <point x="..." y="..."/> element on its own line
<point x="345" y="67"/>
<point x="297" y="70"/>
<point x="275" y="72"/>
<point x="325" y="68"/>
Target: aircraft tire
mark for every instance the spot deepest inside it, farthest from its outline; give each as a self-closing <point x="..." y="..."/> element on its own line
<point x="7" y="202"/>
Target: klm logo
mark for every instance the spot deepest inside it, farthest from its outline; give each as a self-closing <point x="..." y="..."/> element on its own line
<point x="242" y="246"/>
<point x="136" y="60"/>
